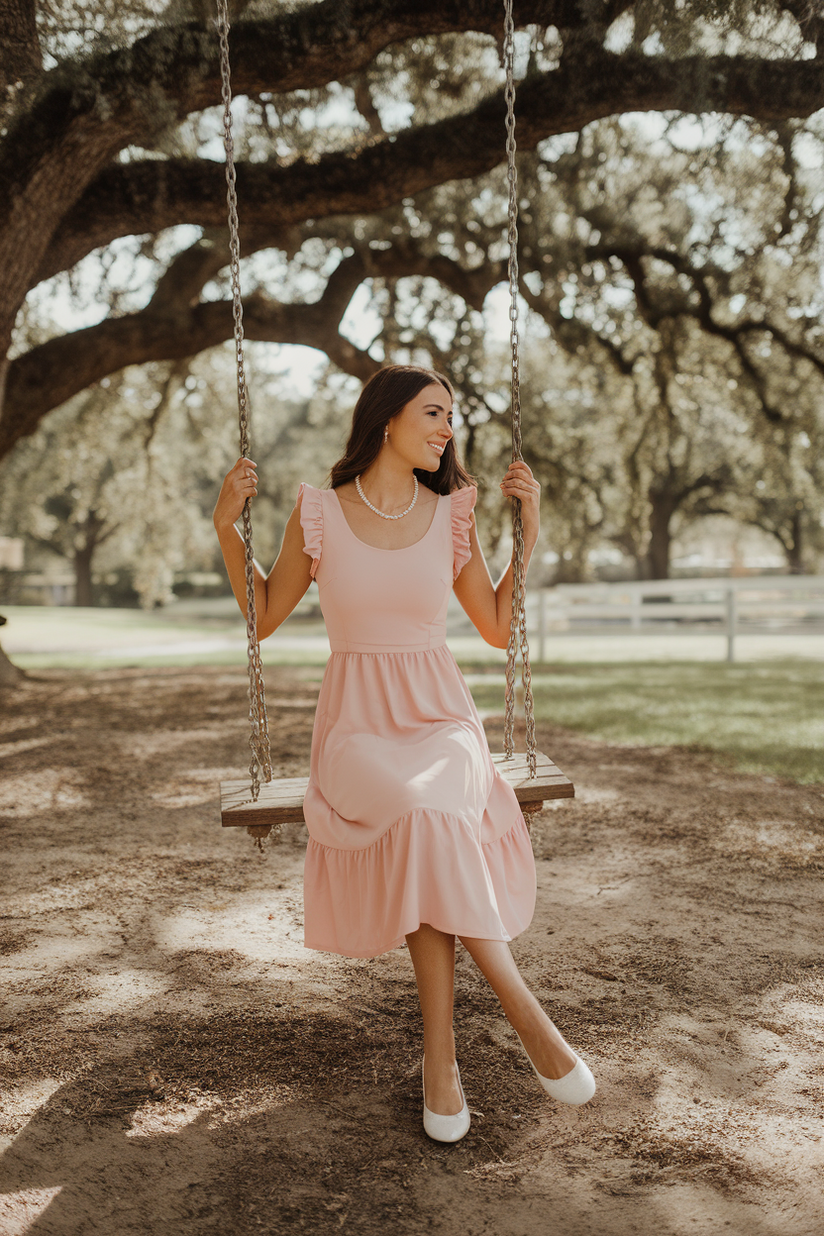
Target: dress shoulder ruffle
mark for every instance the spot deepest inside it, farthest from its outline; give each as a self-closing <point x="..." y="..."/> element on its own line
<point x="311" y="521"/>
<point x="463" y="502"/>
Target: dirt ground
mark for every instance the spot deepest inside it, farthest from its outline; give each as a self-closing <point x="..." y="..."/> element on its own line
<point x="176" y="1062"/>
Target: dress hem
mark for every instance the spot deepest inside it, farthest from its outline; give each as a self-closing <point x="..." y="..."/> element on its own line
<point x="448" y="904"/>
<point x="399" y="943"/>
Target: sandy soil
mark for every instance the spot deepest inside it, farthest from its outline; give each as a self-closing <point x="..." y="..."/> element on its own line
<point x="176" y="1062"/>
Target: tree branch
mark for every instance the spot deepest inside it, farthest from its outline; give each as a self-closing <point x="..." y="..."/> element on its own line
<point x="784" y="136"/>
<point x="172" y="327"/>
<point x="131" y="94"/>
<point x="810" y="19"/>
<point x="147" y="196"/>
<point x="734" y="333"/>
<point x="83" y="357"/>
<point x="85" y="111"/>
<point x="573" y="334"/>
<point x="180" y="285"/>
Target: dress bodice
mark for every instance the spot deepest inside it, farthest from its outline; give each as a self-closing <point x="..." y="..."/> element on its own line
<point x="385" y="600"/>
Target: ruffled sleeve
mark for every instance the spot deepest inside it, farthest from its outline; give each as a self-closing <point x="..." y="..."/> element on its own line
<point x="463" y="502"/>
<point x="311" y="521"/>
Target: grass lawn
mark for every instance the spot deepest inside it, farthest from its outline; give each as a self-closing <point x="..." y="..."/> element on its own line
<point x="764" y="715"/>
<point x="761" y="717"/>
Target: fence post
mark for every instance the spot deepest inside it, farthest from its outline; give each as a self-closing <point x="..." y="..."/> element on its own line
<point x="635" y="609"/>
<point x="732" y="597"/>
<point x="541" y="623"/>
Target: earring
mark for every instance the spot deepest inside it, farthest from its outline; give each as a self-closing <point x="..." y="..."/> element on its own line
<point x="386" y="435"/>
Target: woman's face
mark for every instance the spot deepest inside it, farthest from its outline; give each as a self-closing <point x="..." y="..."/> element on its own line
<point x="421" y="430"/>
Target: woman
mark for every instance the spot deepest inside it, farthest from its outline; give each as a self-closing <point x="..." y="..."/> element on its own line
<point x="412" y="833"/>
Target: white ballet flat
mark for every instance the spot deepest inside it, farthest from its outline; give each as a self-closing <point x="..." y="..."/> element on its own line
<point x="575" y="1087"/>
<point x="445" y="1128"/>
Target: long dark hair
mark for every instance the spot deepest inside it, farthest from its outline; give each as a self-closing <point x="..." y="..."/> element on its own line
<point x="385" y="394"/>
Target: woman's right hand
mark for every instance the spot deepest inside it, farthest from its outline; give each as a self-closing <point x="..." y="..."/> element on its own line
<point x="239" y="484"/>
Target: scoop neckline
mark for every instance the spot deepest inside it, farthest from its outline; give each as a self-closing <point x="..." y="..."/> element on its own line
<point x="382" y="549"/>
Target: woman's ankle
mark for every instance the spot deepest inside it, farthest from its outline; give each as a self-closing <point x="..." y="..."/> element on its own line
<point x="440" y="1053"/>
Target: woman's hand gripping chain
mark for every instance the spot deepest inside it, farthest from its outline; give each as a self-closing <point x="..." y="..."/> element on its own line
<point x="520" y="483"/>
<point x="239" y="484"/>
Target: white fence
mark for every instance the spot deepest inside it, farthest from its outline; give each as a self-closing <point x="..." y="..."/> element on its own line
<point x="766" y="603"/>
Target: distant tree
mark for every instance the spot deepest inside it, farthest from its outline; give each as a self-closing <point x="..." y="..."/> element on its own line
<point x="113" y="480"/>
<point x="687" y="266"/>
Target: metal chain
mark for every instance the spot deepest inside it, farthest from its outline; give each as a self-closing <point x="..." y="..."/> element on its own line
<point x="517" y="628"/>
<point x="260" y="764"/>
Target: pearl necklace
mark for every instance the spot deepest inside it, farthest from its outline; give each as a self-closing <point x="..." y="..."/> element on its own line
<point x="383" y="514"/>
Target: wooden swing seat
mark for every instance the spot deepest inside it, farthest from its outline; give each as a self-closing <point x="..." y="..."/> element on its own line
<point x="281" y="802"/>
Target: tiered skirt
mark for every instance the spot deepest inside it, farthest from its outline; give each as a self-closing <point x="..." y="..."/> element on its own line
<point x="409" y="822"/>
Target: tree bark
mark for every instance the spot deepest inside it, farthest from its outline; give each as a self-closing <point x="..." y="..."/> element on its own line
<point x="171" y="328"/>
<point x="795" y="550"/>
<point x="20" y="58"/>
<point x="10" y="675"/>
<point x="94" y="533"/>
<point x="56" y="159"/>
<point x="86" y="111"/>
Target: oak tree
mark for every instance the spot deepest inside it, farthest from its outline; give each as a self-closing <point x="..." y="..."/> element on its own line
<point x="110" y="127"/>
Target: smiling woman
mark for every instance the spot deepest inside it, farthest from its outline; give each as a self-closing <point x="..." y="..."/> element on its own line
<point x="415" y="835"/>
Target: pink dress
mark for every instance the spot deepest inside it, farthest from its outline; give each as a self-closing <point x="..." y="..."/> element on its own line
<point x="408" y="820"/>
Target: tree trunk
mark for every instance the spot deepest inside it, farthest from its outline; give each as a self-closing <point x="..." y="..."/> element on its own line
<point x="574" y="570"/>
<point x="795" y="564"/>
<point x="10" y="675"/>
<point x="658" y="550"/>
<point x="83" y="575"/>
<point x="94" y="534"/>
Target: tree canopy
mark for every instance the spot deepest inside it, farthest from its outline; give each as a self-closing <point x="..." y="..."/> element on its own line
<point x="110" y="125"/>
<point x="670" y="170"/>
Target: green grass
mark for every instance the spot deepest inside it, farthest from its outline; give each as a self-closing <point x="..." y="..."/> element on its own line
<point x="765" y="717"/>
<point x="761" y="716"/>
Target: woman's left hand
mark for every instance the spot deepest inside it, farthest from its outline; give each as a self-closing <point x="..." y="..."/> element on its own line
<point x="520" y="483"/>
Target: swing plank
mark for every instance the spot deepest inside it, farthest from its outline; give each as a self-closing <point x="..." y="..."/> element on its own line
<point x="281" y="802"/>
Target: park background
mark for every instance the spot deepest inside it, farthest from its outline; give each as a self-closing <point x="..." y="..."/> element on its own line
<point x="164" y="1021"/>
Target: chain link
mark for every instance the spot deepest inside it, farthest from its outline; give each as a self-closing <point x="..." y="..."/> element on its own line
<point x="517" y="628"/>
<point x="260" y="763"/>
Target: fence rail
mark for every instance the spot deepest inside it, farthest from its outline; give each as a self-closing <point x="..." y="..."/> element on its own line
<point x="767" y="602"/>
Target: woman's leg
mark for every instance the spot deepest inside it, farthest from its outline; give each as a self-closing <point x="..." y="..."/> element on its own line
<point x="541" y="1038"/>
<point x="433" y="956"/>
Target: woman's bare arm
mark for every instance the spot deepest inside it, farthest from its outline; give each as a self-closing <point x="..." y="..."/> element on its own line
<point x="489" y="605"/>
<point x="277" y="593"/>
